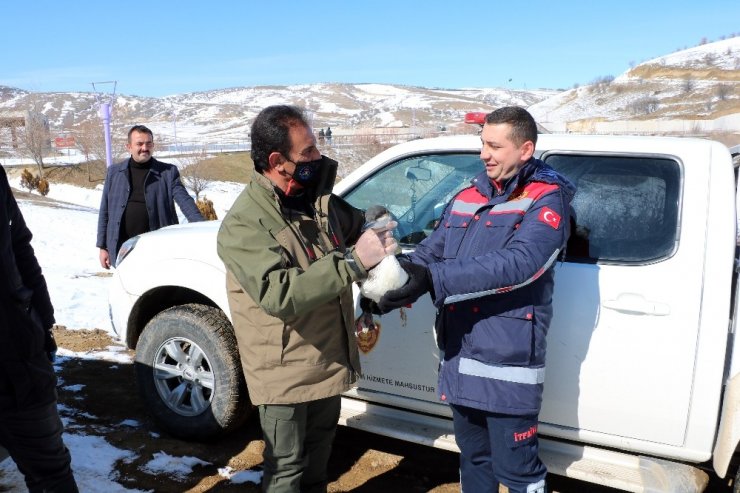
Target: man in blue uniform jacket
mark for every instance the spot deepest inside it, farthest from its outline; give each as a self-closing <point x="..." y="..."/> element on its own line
<point x="488" y="266"/>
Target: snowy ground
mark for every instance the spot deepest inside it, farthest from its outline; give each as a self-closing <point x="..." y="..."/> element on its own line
<point x="64" y="242"/>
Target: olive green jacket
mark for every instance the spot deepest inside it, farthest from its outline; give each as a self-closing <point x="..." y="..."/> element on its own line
<point x="290" y="291"/>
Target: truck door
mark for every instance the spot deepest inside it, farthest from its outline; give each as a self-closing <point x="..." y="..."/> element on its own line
<point x="622" y="341"/>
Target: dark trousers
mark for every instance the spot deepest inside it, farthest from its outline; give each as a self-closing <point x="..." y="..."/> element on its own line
<point x="298" y="440"/>
<point x="33" y="438"/>
<point x="497" y="449"/>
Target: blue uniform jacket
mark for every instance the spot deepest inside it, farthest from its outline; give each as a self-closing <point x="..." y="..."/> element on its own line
<point x="162" y="189"/>
<point x="491" y="259"/>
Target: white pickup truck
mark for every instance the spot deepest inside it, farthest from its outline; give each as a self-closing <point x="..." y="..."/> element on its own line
<point x="642" y="391"/>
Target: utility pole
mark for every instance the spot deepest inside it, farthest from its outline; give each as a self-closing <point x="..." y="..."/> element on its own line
<point x="173" y="111"/>
<point x="104" y="112"/>
<point x="413" y="123"/>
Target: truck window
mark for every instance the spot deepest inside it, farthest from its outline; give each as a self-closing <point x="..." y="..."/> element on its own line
<point x="626" y="208"/>
<point x="416" y="189"/>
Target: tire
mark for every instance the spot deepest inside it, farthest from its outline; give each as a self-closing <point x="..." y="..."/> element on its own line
<point x="189" y="373"/>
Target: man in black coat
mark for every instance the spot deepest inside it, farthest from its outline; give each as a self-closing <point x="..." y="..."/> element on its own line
<point x="30" y="428"/>
<point x="139" y="195"/>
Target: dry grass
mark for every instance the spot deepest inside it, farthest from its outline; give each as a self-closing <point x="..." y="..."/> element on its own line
<point x="86" y="175"/>
<point x="694" y="104"/>
<point x="236" y="167"/>
<point x="699" y="103"/>
<point x="659" y="71"/>
<point x="727" y="138"/>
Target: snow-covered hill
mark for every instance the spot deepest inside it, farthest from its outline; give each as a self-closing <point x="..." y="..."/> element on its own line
<point x="225" y="114"/>
<point x="698" y="83"/>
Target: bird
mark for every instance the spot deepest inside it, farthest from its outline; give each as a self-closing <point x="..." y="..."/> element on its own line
<point x="388" y="274"/>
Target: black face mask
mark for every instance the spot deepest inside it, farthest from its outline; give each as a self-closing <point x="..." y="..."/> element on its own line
<point x="307" y="173"/>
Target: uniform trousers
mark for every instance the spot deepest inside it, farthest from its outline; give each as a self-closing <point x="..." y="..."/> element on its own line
<point x="497" y="449"/>
<point x="298" y="440"/>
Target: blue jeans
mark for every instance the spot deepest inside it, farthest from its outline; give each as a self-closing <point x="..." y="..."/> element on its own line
<point x="497" y="449"/>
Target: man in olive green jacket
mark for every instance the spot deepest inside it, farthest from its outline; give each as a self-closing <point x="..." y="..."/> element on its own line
<point x="292" y="251"/>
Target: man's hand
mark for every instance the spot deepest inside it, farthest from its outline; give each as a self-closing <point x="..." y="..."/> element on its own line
<point x="373" y="246"/>
<point x="104" y="258"/>
<point x="420" y="281"/>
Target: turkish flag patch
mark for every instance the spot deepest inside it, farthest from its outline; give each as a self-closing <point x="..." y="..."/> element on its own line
<point x="549" y="217"/>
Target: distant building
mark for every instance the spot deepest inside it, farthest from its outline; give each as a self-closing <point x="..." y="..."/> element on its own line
<point x="12" y="120"/>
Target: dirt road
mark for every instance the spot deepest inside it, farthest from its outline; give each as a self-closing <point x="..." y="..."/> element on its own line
<point x="361" y="462"/>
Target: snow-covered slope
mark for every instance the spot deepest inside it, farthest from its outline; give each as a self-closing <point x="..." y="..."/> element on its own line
<point x="701" y="82"/>
<point x="698" y="83"/>
<point x="225" y="114"/>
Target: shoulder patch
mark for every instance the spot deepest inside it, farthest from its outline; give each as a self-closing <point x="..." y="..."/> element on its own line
<point x="549" y="217"/>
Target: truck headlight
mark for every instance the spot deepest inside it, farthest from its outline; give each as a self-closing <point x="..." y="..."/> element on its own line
<point x="126" y="248"/>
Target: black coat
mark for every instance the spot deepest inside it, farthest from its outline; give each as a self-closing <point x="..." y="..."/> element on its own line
<point x="26" y="312"/>
<point x="162" y="189"/>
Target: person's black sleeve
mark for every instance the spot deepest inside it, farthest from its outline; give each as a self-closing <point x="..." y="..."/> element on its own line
<point x="28" y="265"/>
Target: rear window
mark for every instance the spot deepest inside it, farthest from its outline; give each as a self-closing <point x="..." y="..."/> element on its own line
<point x="626" y="208"/>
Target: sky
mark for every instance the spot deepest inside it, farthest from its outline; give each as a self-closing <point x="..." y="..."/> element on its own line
<point x="80" y="299"/>
<point x="173" y="47"/>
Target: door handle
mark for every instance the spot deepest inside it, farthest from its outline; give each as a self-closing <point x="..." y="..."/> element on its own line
<point x="636" y="304"/>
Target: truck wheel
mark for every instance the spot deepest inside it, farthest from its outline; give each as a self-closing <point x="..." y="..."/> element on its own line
<point x="189" y="374"/>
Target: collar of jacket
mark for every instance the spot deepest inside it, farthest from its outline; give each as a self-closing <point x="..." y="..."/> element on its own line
<point x="155" y="167"/>
<point x="320" y="195"/>
<point x="533" y="170"/>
